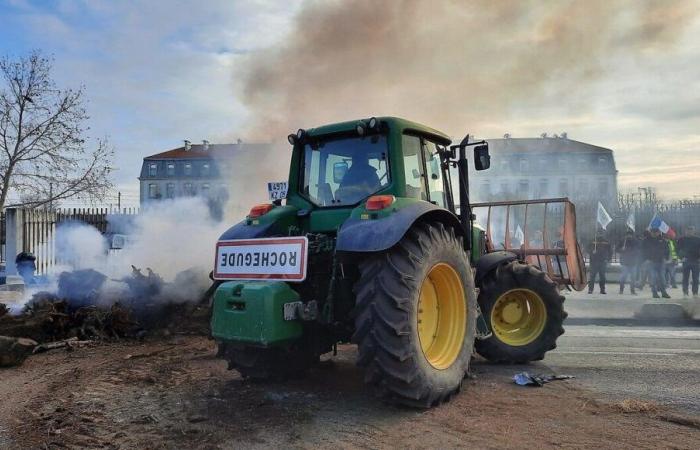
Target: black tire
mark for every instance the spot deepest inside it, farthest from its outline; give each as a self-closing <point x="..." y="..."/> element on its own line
<point x="517" y="275"/>
<point x="386" y="334"/>
<point x="266" y="364"/>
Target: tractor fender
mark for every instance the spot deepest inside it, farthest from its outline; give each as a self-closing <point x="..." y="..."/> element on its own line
<point x="375" y="235"/>
<point x="489" y="262"/>
<point x="276" y="222"/>
<point x="244" y="231"/>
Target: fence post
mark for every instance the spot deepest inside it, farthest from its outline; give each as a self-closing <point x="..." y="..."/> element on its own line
<point x="14" y="238"/>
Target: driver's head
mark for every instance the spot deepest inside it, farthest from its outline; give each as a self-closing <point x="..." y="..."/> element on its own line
<point x="361" y="159"/>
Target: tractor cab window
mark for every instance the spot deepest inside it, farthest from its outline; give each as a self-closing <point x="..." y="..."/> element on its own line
<point x="436" y="189"/>
<point x="421" y="164"/>
<point x="413" y="167"/>
<point x="344" y="171"/>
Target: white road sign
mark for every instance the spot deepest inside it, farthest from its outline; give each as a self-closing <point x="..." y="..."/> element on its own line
<point x="283" y="259"/>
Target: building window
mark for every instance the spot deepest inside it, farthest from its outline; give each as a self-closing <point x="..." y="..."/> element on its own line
<point x="564" y="187"/>
<point x="222" y="192"/>
<point x="523" y="165"/>
<point x="170" y="169"/>
<point x="505" y="165"/>
<point x="583" y="187"/>
<point x="524" y="188"/>
<point x="153" y="190"/>
<point x="544" y="186"/>
<point x="205" y="190"/>
<point x="170" y="190"/>
<point x="603" y="187"/>
<point x="504" y="187"/>
<point x="602" y="162"/>
<point x="561" y="162"/>
<point x="205" y="169"/>
<point x="187" y="189"/>
<point x="152" y="169"/>
<point x="188" y="169"/>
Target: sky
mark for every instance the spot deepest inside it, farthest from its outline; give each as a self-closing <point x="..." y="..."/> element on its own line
<point x="157" y="72"/>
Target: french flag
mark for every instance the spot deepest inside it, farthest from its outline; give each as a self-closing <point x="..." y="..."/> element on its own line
<point x="657" y="222"/>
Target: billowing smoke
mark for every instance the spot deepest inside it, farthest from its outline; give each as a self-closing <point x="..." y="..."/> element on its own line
<point x="458" y="65"/>
<point x="246" y="176"/>
<point x="169" y="237"/>
<point x="170" y="246"/>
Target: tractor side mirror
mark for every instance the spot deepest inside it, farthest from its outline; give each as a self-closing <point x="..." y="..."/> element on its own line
<point x="339" y="171"/>
<point x="482" y="159"/>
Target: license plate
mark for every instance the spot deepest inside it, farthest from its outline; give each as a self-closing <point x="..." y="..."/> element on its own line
<point x="273" y="259"/>
<point x="277" y="191"/>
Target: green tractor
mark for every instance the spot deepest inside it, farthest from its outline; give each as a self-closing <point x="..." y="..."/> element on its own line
<point x="370" y="247"/>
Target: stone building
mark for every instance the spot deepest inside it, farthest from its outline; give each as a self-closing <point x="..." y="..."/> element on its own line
<point x="190" y="170"/>
<point x="530" y="168"/>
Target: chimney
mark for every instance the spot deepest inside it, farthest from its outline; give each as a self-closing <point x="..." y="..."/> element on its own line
<point x="543" y="135"/>
<point x="564" y="135"/>
<point x="205" y="144"/>
<point x="188" y="145"/>
<point x="239" y="141"/>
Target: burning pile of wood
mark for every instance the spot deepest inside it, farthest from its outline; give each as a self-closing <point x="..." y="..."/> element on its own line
<point x="77" y="315"/>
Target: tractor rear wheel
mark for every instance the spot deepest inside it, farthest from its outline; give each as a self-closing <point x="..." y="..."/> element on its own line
<point x="415" y="317"/>
<point x="524" y="312"/>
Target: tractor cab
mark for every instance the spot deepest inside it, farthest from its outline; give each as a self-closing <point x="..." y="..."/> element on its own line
<point x="340" y="168"/>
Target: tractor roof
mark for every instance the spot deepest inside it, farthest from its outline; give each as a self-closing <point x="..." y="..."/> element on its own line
<point x="393" y="122"/>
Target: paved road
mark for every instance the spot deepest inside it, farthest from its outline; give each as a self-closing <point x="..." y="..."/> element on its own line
<point x="660" y="364"/>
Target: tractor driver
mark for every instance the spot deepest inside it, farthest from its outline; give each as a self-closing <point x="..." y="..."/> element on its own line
<point x="360" y="181"/>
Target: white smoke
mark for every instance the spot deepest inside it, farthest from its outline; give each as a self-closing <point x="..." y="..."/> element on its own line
<point x="173" y="238"/>
<point x="79" y="246"/>
<point x="169" y="237"/>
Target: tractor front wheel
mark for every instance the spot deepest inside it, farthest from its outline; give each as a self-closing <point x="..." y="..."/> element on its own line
<point x="416" y="317"/>
<point x="524" y="311"/>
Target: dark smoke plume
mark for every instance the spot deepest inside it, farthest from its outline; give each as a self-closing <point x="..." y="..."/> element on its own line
<point x="452" y="64"/>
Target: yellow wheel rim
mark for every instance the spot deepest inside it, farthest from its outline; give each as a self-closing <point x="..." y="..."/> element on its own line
<point x="442" y="316"/>
<point x="518" y="317"/>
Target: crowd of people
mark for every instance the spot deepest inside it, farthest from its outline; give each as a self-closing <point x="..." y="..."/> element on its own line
<point x="651" y="258"/>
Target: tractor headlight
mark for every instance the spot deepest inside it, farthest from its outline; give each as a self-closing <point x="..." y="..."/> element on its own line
<point x="360" y="129"/>
<point x="373" y="123"/>
<point x="300" y="133"/>
<point x="292" y="138"/>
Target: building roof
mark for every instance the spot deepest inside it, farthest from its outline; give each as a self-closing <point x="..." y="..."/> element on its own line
<point x="544" y="145"/>
<point x="197" y="151"/>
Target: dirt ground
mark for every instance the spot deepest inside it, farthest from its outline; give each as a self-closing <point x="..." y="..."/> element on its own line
<point x="173" y="393"/>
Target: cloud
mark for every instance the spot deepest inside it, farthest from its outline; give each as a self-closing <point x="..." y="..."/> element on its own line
<point x="155" y="72"/>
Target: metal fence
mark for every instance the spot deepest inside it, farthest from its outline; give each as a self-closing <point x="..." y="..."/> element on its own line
<point x="2" y="236"/>
<point x="37" y="230"/>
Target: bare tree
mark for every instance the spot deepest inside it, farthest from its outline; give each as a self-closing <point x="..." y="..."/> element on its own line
<point x="43" y="154"/>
